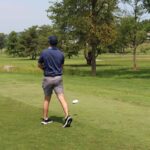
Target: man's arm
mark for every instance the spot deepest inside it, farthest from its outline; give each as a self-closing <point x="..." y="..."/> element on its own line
<point x="41" y="62"/>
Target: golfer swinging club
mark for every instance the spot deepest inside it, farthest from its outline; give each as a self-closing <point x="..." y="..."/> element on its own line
<point x="51" y="62"/>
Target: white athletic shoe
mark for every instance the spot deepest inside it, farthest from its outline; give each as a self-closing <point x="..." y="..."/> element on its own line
<point x="44" y="122"/>
<point x="68" y="122"/>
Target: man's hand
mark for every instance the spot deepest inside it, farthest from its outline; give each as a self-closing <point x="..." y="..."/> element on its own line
<point x="41" y="66"/>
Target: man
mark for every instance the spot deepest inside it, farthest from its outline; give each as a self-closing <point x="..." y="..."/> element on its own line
<point x="51" y="62"/>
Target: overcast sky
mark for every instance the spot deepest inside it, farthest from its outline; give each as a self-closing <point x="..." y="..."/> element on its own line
<point x="130" y="11"/>
<point x="18" y="15"/>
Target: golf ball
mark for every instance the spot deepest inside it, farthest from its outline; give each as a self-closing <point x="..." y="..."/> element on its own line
<point x="75" y="101"/>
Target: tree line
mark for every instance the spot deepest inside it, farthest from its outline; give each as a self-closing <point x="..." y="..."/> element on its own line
<point x="28" y="43"/>
<point x="91" y="26"/>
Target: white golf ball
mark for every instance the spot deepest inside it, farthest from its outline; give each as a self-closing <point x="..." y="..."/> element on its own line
<point x="75" y="101"/>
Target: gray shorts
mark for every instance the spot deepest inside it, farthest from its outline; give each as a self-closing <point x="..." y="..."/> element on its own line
<point x="52" y="83"/>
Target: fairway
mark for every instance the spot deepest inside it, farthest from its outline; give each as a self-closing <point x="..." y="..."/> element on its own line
<point x="113" y="112"/>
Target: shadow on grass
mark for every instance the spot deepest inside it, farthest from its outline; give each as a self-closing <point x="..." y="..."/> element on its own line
<point x="57" y="119"/>
<point x="87" y="66"/>
<point x="108" y="71"/>
<point x="124" y="73"/>
<point x="81" y="69"/>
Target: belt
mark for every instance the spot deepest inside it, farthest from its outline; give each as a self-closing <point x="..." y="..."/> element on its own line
<point x="51" y="76"/>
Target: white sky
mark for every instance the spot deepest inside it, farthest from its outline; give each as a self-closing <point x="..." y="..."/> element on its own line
<point x="18" y="15"/>
<point x="130" y="11"/>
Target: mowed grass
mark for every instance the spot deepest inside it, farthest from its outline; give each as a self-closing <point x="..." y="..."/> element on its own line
<point x="112" y="113"/>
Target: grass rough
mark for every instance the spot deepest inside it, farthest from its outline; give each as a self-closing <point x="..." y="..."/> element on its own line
<point x="112" y="113"/>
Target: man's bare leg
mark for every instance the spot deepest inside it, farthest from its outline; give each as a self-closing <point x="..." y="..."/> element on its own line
<point x="63" y="103"/>
<point x="68" y="119"/>
<point x="46" y="120"/>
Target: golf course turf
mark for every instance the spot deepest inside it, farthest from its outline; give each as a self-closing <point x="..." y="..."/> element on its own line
<point x="113" y="112"/>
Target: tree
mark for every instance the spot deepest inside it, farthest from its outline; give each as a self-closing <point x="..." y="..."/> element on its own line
<point x="12" y="44"/>
<point x="43" y="33"/>
<point x="90" y="22"/>
<point x="2" y="41"/>
<point x="146" y="25"/>
<point x="125" y="34"/>
<point x="122" y="39"/>
<point x="135" y="32"/>
<point x="147" y="5"/>
<point x="69" y="41"/>
<point x="28" y="43"/>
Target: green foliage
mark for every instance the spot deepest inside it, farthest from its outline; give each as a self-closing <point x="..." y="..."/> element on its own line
<point x="132" y="32"/>
<point x="144" y="48"/>
<point x="43" y="33"/>
<point x="89" y="26"/>
<point x="135" y="33"/>
<point x="12" y="44"/>
<point x="2" y="40"/>
<point x="147" y="4"/>
<point x="146" y="25"/>
<point x="84" y="22"/>
<point x="29" y="42"/>
<point x="33" y="40"/>
<point x="126" y="33"/>
<point x="87" y="22"/>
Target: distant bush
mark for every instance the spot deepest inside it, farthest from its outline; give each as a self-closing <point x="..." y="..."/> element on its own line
<point x="144" y="48"/>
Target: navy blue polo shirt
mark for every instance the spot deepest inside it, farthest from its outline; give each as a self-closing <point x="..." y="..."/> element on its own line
<point x="52" y="59"/>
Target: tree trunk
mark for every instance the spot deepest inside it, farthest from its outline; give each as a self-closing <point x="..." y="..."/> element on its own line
<point x="134" y="59"/>
<point x="33" y="57"/>
<point x="123" y="50"/>
<point x="88" y="57"/>
<point x="93" y="61"/>
<point x="93" y="38"/>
